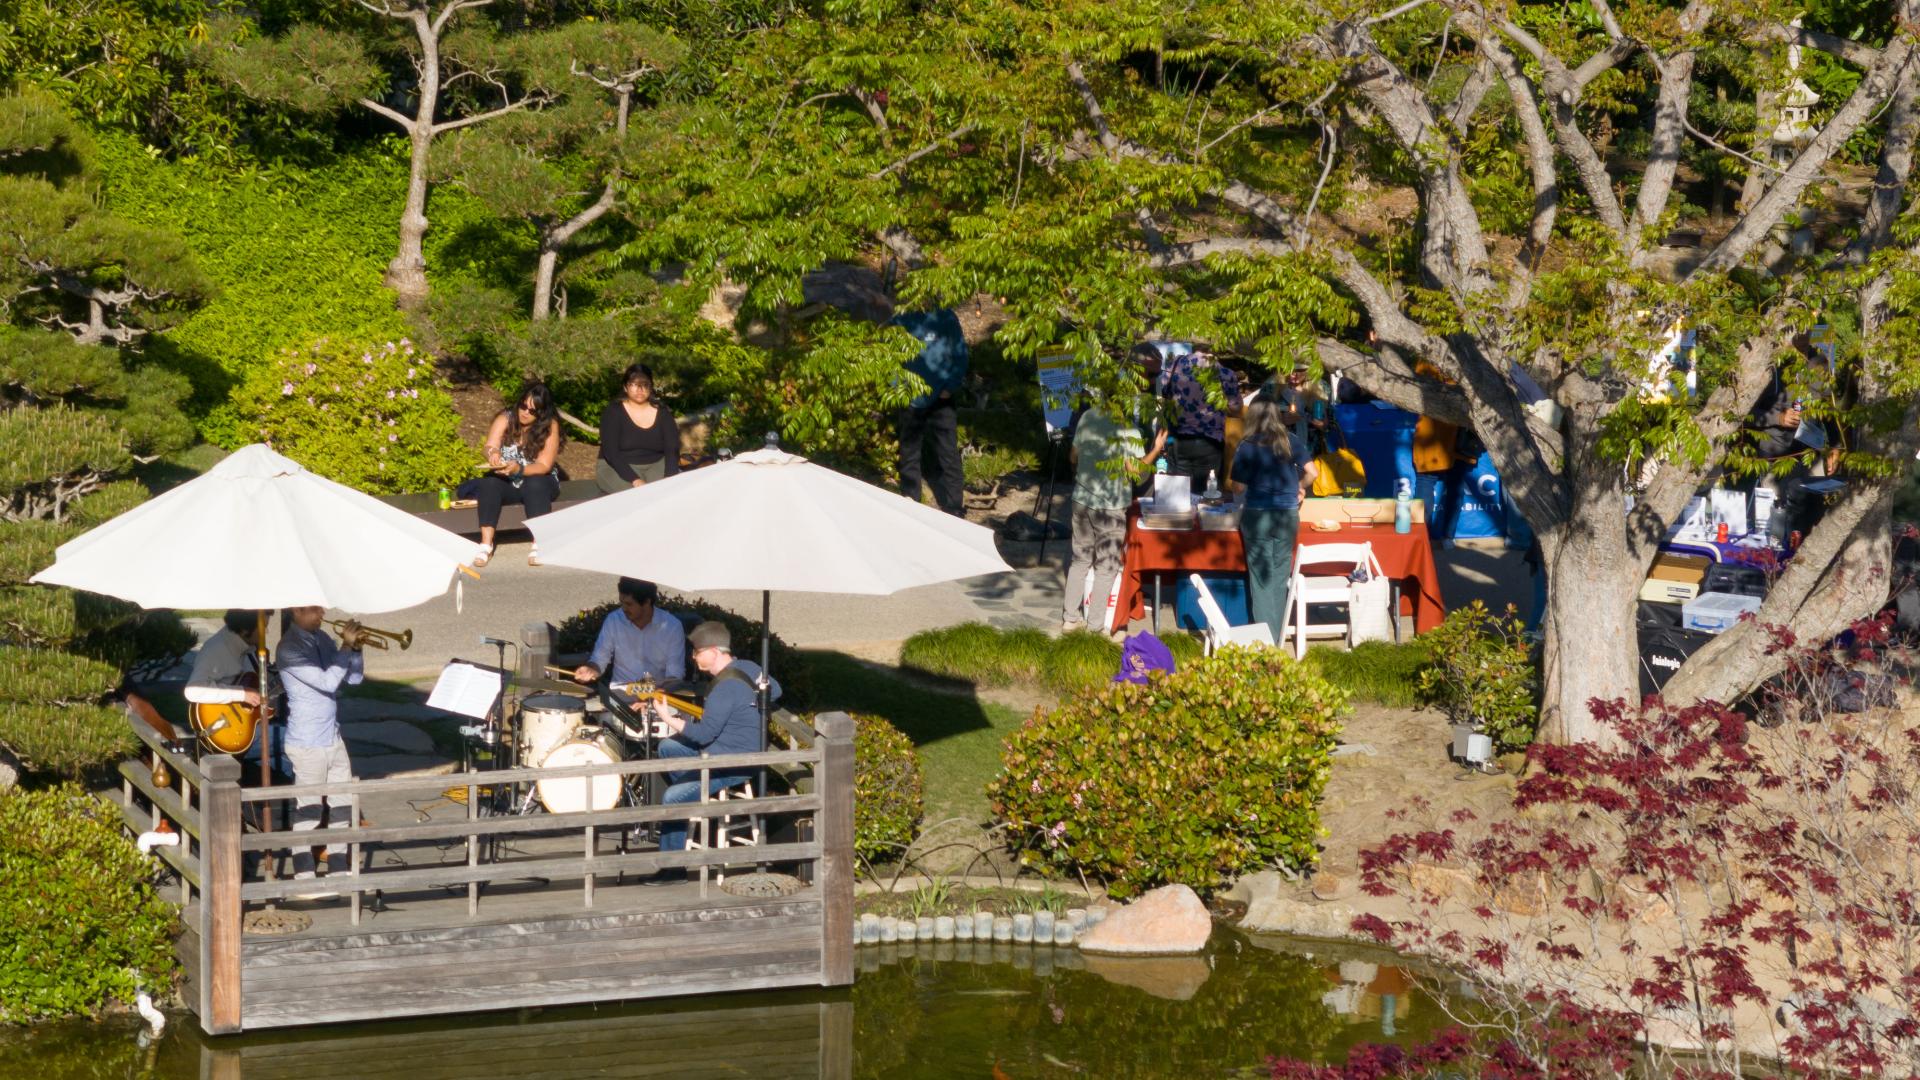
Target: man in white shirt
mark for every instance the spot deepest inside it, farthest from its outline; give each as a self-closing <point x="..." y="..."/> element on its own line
<point x="224" y="660"/>
<point x="637" y="641"/>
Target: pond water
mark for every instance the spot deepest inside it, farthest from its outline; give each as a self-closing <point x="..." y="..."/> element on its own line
<point x="974" y="1011"/>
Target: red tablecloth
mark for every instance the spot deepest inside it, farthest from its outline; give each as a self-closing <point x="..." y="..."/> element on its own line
<point x="1406" y="557"/>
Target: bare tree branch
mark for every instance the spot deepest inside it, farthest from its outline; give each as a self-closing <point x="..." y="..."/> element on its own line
<point x="534" y="99"/>
<point x="1669" y="129"/>
<point x="1148" y="227"/>
<point x="1890" y="178"/>
<point x="936" y="144"/>
<point x="406" y="122"/>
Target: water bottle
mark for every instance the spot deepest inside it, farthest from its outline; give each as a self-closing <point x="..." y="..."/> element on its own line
<point x="1212" y="494"/>
<point x="1403" y="506"/>
<point x="1160" y="465"/>
<point x="446" y="499"/>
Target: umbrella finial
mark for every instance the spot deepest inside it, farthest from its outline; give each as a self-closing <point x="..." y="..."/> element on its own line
<point x="773" y="441"/>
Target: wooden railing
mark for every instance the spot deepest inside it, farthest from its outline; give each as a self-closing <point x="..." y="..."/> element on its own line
<point x="208" y="808"/>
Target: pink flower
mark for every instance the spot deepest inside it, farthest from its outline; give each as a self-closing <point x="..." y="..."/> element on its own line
<point x="286" y="389"/>
<point x="1076" y="800"/>
<point x="390" y="394"/>
<point x="311" y="368"/>
<point x="1036" y="785"/>
<point x="393" y="438"/>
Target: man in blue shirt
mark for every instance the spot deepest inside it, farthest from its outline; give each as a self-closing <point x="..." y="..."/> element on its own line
<point x="637" y="642"/>
<point x="313" y="670"/>
<point x="943" y="364"/>
<point x="730" y="723"/>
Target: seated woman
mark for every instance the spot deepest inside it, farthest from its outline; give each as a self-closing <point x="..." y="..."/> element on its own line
<point x="639" y="441"/>
<point x="522" y="446"/>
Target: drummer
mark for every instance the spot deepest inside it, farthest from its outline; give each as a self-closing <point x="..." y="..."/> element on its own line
<point x="637" y="642"/>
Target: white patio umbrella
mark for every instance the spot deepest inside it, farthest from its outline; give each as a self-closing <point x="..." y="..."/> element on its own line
<point x="259" y="531"/>
<point x="771" y="521"/>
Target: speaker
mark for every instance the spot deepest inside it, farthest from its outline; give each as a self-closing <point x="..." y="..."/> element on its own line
<point x="1662" y="651"/>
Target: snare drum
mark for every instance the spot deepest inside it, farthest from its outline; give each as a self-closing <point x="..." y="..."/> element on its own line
<point x="572" y="794"/>
<point x="546" y="721"/>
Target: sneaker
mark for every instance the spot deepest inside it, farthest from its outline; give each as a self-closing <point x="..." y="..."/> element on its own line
<point x="315" y="892"/>
<point x="533" y="557"/>
<point x="1069" y="625"/>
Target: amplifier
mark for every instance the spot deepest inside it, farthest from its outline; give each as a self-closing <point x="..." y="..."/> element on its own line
<point x="1662" y="651"/>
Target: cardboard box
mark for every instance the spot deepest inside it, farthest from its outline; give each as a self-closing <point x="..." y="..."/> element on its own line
<point x="1675" y="579"/>
<point x="1342" y="511"/>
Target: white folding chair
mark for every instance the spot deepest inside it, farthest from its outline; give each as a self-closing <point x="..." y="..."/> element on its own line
<point x="1219" y="631"/>
<point x="1305" y="589"/>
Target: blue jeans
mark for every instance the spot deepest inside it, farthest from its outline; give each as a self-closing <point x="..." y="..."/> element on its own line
<point x="684" y="787"/>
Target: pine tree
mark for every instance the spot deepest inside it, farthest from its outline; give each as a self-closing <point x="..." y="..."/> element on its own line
<point x="79" y="290"/>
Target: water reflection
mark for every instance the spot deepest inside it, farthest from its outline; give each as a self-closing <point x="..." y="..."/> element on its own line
<point x="974" y="1011"/>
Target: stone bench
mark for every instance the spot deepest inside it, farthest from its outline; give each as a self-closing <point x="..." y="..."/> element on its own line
<point x="465" y="520"/>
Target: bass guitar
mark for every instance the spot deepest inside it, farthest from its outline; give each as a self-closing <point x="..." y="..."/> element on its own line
<point x="228" y="727"/>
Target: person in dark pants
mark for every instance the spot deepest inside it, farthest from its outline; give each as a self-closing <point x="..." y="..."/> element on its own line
<point x="1198" y="430"/>
<point x="1272" y="466"/>
<point x="522" y="446"/>
<point x="942" y="362"/>
<point x="731" y="723"/>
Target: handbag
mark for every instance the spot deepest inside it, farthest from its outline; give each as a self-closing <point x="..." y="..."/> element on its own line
<point x="1368" y="617"/>
<point x="1341" y="472"/>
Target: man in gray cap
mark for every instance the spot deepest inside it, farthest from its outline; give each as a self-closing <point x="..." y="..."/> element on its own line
<point x="730" y="723"/>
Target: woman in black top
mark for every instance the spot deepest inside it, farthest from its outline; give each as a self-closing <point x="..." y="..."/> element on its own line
<point x="639" y="441"/>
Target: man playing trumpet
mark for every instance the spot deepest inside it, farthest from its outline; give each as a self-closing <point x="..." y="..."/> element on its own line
<point x="313" y="670"/>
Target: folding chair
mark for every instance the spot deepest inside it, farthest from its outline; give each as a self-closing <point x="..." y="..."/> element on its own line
<point x="1305" y="589"/>
<point x="1219" y="631"/>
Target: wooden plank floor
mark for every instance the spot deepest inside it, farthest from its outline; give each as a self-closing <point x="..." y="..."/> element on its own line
<point x="530" y="945"/>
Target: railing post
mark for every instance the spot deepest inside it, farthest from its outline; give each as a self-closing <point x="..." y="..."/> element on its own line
<point x="220" y="910"/>
<point x="834" y="782"/>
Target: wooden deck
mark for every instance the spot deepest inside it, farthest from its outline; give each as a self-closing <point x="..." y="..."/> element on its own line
<point x="562" y="911"/>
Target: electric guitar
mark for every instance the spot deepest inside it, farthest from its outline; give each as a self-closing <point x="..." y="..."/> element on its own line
<point x="228" y="727"/>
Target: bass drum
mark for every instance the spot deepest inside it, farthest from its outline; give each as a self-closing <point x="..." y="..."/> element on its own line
<point x="573" y="794"/>
<point x="547" y="721"/>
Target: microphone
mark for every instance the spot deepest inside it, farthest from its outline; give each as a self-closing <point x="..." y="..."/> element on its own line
<point x="498" y="642"/>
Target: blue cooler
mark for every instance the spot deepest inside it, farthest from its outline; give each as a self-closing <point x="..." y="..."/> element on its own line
<point x="1229" y="591"/>
<point x="1382" y="437"/>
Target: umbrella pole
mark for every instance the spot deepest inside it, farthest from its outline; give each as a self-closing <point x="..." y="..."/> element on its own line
<point x="266" y="728"/>
<point x="766" y="651"/>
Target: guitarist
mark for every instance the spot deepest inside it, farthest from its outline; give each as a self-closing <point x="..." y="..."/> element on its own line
<point x="223" y="672"/>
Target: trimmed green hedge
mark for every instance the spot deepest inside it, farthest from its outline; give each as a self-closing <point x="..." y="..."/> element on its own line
<point x="1195" y="778"/>
<point x="887" y="789"/>
<point x="81" y="925"/>
<point x="989" y="656"/>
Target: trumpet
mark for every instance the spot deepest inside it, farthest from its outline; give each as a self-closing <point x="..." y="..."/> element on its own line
<point x="371" y="637"/>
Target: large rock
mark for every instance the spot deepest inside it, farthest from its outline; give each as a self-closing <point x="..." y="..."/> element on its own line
<point x="1166" y="921"/>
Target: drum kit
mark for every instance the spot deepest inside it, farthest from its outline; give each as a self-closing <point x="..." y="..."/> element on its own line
<point x="555" y="730"/>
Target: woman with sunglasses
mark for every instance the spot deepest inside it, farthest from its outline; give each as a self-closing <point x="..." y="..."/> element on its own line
<point x="522" y="446"/>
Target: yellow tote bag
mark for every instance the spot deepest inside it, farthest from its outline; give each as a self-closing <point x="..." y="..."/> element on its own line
<point x="1340" y="472"/>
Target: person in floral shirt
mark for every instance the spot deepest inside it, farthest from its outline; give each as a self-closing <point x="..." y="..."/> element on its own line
<point x="1197" y="432"/>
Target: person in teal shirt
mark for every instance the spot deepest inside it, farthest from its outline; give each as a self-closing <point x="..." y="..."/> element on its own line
<point x="1274" y="468"/>
<point x="1103" y="450"/>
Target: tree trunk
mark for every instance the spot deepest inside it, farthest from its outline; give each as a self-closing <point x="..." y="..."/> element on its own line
<point x="1590" y="649"/>
<point x="1593" y="581"/>
<point x="407" y="273"/>
<point x="543" y="281"/>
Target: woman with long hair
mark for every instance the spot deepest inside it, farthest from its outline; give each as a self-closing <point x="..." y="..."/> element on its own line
<point x="639" y="440"/>
<point x="523" y="445"/>
<point x="1274" y="470"/>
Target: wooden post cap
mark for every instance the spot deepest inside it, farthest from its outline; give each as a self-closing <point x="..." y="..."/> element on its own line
<point x="221" y="767"/>
<point x="834" y="725"/>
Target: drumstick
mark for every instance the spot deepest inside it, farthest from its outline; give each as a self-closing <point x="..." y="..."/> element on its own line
<point x="565" y="673"/>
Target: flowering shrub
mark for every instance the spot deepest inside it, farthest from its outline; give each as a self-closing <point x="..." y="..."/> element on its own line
<point x="1694" y="881"/>
<point x="1479" y="671"/>
<point x="374" y="417"/>
<point x="1193" y="778"/>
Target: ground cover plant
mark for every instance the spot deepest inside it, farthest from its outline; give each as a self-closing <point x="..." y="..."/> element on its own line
<point x="81" y="925"/>
<point x="1194" y="778"/>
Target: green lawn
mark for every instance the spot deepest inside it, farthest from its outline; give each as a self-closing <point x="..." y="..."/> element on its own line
<point x="958" y="735"/>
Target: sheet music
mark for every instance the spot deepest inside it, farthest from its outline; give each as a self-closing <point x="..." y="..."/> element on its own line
<point x="466" y="689"/>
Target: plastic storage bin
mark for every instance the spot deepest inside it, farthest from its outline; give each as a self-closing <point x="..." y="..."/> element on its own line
<point x="1716" y="612"/>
